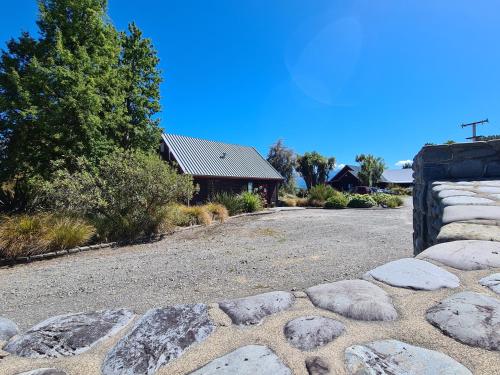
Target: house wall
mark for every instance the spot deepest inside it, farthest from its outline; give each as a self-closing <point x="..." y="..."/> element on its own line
<point x="213" y="185"/>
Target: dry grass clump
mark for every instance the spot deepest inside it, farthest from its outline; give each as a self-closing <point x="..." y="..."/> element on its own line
<point x="218" y="211"/>
<point x="25" y="235"/>
<point x="197" y="215"/>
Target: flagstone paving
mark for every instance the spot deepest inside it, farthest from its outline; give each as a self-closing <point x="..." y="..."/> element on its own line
<point x="438" y="313"/>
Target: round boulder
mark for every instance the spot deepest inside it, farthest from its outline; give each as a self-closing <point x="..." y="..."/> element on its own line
<point x="7" y="329"/>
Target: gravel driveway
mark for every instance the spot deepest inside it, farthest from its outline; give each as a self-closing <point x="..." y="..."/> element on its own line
<point x="248" y="255"/>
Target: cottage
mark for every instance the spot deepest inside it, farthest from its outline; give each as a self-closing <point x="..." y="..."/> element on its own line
<point x="347" y="178"/>
<point x="221" y="167"/>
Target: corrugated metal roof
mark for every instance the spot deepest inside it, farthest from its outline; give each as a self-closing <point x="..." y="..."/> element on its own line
<point x="201" y="157"/>
<point x="398" y="176"/>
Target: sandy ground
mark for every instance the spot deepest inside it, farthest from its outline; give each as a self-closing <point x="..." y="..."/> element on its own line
<point x="245" y="256"/>
<point x="410" y="327"/>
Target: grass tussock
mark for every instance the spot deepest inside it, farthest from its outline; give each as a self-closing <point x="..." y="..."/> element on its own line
<point x="218" y="211"/>
<point x="26" y="235"/>
<point x="197" y="215"/>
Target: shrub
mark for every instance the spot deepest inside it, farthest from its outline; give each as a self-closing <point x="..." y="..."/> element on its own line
<point x="287" y="202"/>
<point x="25" y="235"/>
<point x="251" y="202"/>
<point x="232" y="202"/>
<point x="387" y="200"/>
<point x="361" y="201"/>
<point x="218" y="211"/>
<point x="337" y="201"/>
<point x="315" y="203"/>
<point x="197" y="215"/>
<point x="398" y="190"/>
<point x="126" y="195"/>
<point x="176" y="217"/>
<point x="322" y="192"/>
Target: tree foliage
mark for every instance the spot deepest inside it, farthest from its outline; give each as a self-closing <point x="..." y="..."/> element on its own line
<point x="371" y="170"/>
<point x="314" y="168"/>
<point x="283" y="159"/>
<point x="81" y="89"/>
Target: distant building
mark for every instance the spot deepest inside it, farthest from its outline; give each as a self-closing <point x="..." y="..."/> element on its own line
<point x="221" y="167"/>
<point x="347" y="178"/>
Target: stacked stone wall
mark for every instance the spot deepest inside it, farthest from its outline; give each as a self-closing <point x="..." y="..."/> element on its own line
<point x="460" y="162"/>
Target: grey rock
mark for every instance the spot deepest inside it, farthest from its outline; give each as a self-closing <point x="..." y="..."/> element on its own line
<point x="468" y="231"/>
<point x="464" y="200"/>
<point x="450" y="186"/>
<point x="7" y="329"/>
<point x="44" y="371"/>
<point x="247" y="360"/>
<point x="455" y="192"/>
<point x="68" y="335"/>
<point x="317" y="366"/>
<point x="492" y="282"/>
<point x="159" y="337"/>
<point x="398" y="358"/>
<point x="488" y="189"/>
<point x="414" y="274"/>
<point x="465" y="255"/>
<point x="467" y="168"/>
<point x="464" y="212"/>
<point x="252" y="310"/>
<point x="471" y="318"/>
<point x="310" y="332"/>
<point x="356" y="299"/>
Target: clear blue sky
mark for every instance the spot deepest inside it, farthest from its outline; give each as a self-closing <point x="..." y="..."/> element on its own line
<point x="338" y="77"/>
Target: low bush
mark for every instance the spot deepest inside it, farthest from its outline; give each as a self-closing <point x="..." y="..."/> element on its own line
<point x="251" y="202"/>
<point x="361" y="201"/>
<point x="25" y="235"/>
<point x="321" y="193"/>
<point x="197" y="215"/>
<point x="287" y="202"/>
<point x="232" y="202"/>
<point x="125" y="196"/>
<point x="398" y="190"/>
<point x="337" y="202"/>
<point x="388" y="200"/>
<point x="315" y="203"/>
<point x="218" y="211"/>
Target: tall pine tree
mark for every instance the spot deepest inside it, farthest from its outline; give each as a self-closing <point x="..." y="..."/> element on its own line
<point x="80" y="89"/>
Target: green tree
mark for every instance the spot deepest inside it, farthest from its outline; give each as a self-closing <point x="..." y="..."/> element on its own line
<point x="314" y="168"/>
<point x="283" y="160"/>
<point x="139" y="63"/>
<point x="371" y="169"/>
<point x="81" y="89"/>
<point x="407" y="165"/>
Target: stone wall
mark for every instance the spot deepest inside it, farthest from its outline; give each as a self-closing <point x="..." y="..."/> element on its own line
<point x="460" y="162"/>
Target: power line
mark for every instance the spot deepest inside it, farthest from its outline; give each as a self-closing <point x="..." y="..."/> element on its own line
<point x="474" y="125"/>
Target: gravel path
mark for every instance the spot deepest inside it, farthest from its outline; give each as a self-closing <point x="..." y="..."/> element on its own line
<point x="248" y="255"/>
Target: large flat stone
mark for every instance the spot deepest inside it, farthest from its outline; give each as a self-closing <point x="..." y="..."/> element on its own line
<point x="467" y="201"/>
<point x="159" y="337"/>
<point x="468" y="231"/>
<point x="356" y="299"/>
<point x="44" y="371"/>
<point x="465" y="255"/>
<point x="247" y="360"/>
<point x="471" y="318"/>
<point x="398" y="358"/>
<point x="252" y="310"/>
<point x="455" y="192"/>
<point x="488" y="189"/>
<point x="310" y="332"/>
<point x="7" y="329"/>
<point x="492" y="282"/>
<point x="414" y="274"/>
<point x="68" y="335"/>
<point x="467" y="212"/>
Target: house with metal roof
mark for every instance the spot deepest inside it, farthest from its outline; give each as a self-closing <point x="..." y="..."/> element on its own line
<point x="347" y="178"/>
<point x="221" y="167"/>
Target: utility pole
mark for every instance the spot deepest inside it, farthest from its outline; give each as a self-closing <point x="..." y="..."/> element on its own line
<point x="474" y="125"/>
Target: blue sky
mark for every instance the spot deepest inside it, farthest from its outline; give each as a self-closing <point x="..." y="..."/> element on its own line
<point x="338" y="77"/>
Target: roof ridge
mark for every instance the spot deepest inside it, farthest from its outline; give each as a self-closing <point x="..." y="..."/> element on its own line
<point x="206" y="140"/>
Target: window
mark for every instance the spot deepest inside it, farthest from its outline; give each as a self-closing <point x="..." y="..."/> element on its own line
<point x="250" y="186"/>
